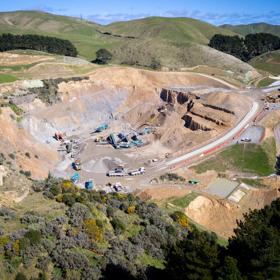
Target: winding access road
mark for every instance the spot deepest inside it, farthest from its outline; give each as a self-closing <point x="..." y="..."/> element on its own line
<point x="228" y="136"/>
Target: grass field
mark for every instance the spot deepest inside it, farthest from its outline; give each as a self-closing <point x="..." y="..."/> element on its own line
<point x="247" y="158"/>
<point x="7" y="78"/>
<point x="183" y="202"/>
<point x="269" y="62"/>
<point x="265" y="82"/>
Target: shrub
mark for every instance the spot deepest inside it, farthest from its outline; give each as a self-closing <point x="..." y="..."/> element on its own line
<point x="69" y="199"/>
<point x="78" y="213"/>
<point x="103" y="56"/>
<point x="118" y="225"/>
<point x="130" y="209"/>
<point x="20" y="276"/>
<point x="180" y="218"/>
<point x="27" y="154"/>
<point x="93" y="230"/>
<point x="12" y="156"/>
<point x="34" y="237"/>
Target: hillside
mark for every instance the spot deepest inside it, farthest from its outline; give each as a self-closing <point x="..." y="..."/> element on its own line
<point x="269" y="62"/>
<point x="245" y="29"/>
<point x="81" y="33"/>
<point x="177" y="30"/>
<point x="175" y="43"/>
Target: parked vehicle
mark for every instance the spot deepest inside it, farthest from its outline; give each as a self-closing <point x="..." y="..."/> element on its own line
<point x="117" y="172"/>
<point x="138" y="171"/>
<point x="246" y="140"/>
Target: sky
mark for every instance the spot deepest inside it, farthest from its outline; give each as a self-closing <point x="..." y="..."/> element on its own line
<point x="105" y="11"/>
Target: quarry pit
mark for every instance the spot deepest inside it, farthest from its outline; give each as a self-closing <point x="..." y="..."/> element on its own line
<point x="180" y="110"/>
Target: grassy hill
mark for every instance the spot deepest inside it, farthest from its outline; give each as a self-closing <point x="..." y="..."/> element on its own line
<point x="175" y="43"/>
<point x="81" y="33"/>
<point x="253" y="28"/>
<point x="178" y="30"/>
<point x="269" y="62"/>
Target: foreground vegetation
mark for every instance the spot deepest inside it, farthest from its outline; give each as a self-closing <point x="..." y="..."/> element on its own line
<point x="248" y="158"/>
<point x="39" y="43"/>
<point x="117" y="236"/>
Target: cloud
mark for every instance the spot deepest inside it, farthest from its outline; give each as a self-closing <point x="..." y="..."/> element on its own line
<point x="272" y="17"/>
<point x="47" y="9"/>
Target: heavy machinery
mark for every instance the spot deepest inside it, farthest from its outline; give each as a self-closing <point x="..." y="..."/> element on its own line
<point x="113" y="141"/>
<point x="58" y="136"/>
<point x="77" y="165"/>
<point x="102" y="127"/>
<point x="89" y="185"/>
<point x="75" y="178"/>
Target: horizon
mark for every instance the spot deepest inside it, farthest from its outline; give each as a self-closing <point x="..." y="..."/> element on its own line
<point x="215" y="12"/>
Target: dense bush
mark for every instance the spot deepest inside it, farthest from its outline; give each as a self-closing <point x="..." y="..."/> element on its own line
<point x="119" y="236"/>
<point x="103" y="56"/>
<point x="248" y="48"/>
<point x="38" y="43"/>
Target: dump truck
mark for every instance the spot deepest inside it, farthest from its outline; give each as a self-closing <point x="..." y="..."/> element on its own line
<point x="102" y="127"/>
<point x="138" y="171"/>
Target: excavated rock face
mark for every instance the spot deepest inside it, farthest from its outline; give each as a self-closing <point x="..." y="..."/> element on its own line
<point x="197" y="114"/>
<point x="174" y="97"/>
<point x="193" y="124"/>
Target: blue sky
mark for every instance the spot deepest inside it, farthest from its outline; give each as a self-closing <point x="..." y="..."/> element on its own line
<point x="105" y="11"/>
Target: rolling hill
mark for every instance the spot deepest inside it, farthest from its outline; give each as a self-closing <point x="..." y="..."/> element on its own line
<point x="174" y="29"/>
<point x="253" y="28"/>
<point x="175" y="43"/>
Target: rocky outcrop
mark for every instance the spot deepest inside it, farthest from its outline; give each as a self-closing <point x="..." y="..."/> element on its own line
<point x="174" y="97"/>
<point x="218" y="108"/>
<point x="193" y="124"/>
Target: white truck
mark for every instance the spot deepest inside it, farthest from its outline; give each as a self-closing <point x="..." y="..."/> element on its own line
<point x="138" y="171"/>
<point x="117" y="172"/>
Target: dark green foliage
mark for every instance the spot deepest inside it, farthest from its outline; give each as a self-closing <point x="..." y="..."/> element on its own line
<point x="196" y="257"/>
<point x="233" y="45"/>
<point x="277" y="166"/>
<point x="256" y="245"/>
<point x="103" y="56"/>
<point x="248" y="48"/>
<point x="118" y="225"/>
<point x="25" y="173"/>
<point x="97" y="238"/>
<point x="20" y="276"/>
<point x="38" y="43"/>
<point x="229" y="270"/>
<point x="155" y="64"/>
<point x="34" y="237"/>
<point x="172" y="177"/>
<point x="260" y="43"/>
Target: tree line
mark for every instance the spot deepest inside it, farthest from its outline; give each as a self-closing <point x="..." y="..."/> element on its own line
<point x="245" y="48"/>
<point x="39" y="43"/>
